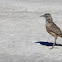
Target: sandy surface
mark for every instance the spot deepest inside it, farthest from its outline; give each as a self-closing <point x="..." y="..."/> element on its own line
<point x="23" y="36"/>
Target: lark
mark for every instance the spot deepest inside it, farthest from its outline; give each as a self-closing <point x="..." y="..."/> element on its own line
<point x="51" y="27"/>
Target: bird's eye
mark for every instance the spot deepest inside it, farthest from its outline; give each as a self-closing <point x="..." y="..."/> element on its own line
<point x="46" y="15"/>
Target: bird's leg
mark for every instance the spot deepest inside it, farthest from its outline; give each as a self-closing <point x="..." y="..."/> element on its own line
<point x="54" y="42"/>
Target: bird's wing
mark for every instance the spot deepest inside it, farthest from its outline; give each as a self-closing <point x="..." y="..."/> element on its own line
<point x="54" y="28"/>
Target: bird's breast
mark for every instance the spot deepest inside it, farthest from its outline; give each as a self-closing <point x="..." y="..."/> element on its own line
<point x="48" y="26"/>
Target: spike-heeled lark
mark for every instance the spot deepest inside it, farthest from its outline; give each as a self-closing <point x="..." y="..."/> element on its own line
<point x="51" y="27"/>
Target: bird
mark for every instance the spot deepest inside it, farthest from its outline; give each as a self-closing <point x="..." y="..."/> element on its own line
<point x="51" y="27"/>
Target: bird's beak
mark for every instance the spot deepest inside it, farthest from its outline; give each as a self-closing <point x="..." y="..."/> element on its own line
<point x="42" y="16"/>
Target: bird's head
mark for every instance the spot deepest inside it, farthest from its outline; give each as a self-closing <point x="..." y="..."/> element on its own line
<point x="47" y="16"/>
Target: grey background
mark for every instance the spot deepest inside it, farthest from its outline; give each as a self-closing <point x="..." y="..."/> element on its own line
<point x="21" y="26"/>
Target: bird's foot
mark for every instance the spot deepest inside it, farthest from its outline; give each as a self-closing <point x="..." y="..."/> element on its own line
<point x="52" y="47"/>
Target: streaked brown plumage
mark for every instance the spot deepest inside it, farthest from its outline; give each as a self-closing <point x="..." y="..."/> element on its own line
<point x="51" y="27"/>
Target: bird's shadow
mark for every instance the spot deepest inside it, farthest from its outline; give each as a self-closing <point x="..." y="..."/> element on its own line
<point x="47" y="43"/>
